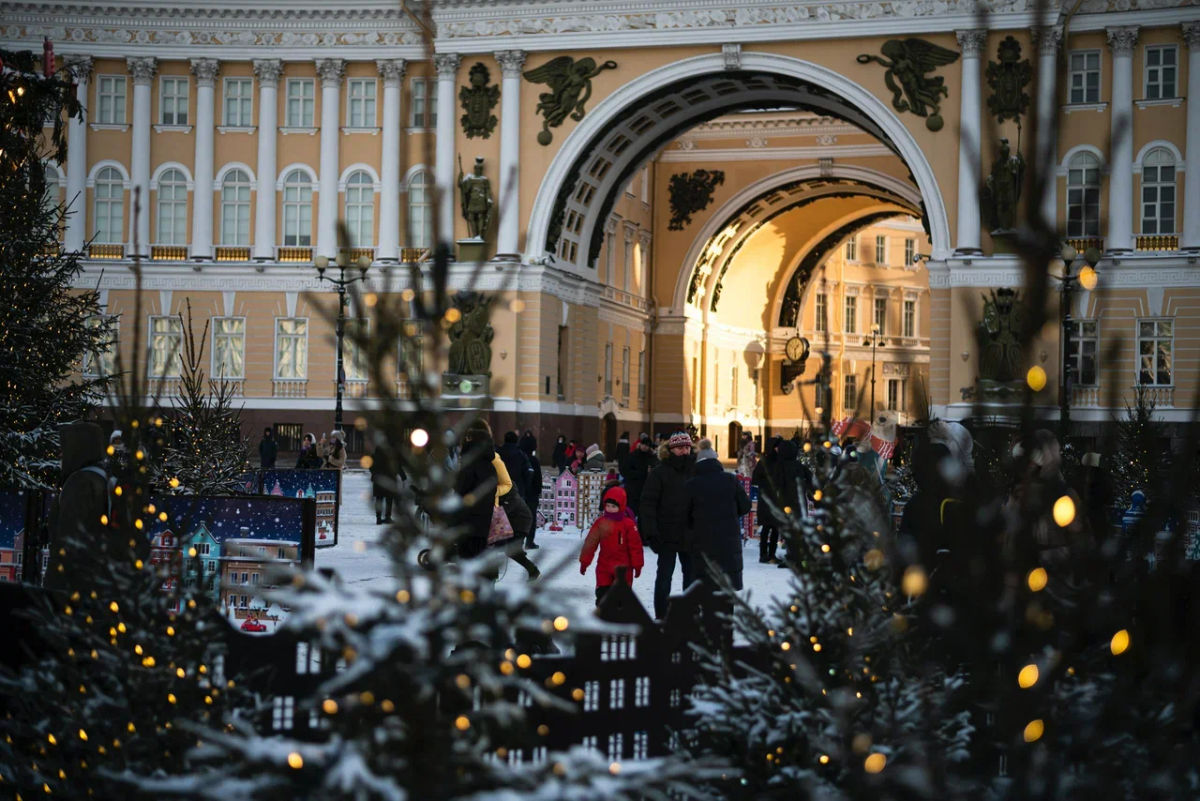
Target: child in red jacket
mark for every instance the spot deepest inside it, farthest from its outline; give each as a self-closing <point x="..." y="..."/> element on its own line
<point x="620" y="544"/>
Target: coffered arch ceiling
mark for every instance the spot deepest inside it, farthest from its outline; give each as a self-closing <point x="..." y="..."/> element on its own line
<point x="629" y="127"/>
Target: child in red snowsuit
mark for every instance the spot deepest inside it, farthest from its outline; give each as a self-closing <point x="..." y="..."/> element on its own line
<point x="620" y="544"/>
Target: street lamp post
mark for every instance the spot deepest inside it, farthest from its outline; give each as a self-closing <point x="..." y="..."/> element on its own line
<point x="873" y="340"/>
<point x="1087" y="278"/>
<point x="341" y="283"/>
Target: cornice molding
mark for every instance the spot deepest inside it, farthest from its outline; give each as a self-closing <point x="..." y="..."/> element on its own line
<point x="774" y="153"/>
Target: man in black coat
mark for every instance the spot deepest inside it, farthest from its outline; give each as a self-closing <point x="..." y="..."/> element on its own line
<point x="533" y="497"/>
<point x="476" y="485"/>
<point x="637" y="469"/>
<point x="516" y="462"/>
<point x="716" y="504"/>
<point x="768" y="534"/>
<point x="268" y="449"/>
<point x="663" y="518"/>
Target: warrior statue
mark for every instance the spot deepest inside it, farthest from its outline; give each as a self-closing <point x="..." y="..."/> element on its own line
<point x="476" y="199"/>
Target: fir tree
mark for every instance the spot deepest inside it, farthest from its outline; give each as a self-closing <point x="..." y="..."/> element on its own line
<point x="1140" y="461"/>
<point x="46" y="324"/>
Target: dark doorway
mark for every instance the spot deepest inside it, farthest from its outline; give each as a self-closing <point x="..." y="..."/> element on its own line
<point x="735" y="439"/>
<point x="608" y="435"/>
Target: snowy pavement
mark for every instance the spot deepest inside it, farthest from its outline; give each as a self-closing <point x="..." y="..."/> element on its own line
<point x="358" y="557"/>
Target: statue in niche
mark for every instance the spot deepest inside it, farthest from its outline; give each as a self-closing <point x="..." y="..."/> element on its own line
<point x="691" y="193"/>
<point x="999" y="333"/>
<point x="907" y="62"/>
<point x="1008" y="78"/>
<point x="471" y="336"/>
<point x="478" y="205"/>
<point x="478" y="99"/>
<point x="570" y="83"/>
<point x="1002" y="189"/>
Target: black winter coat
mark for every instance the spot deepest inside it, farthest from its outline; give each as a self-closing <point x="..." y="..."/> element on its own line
<point x="716" y="502"/>
<point x="476" y="485"/>
<point x="517" y="464"/>
<point x="267" y="451"/>
<point x="662" y="518"/>
<point x="533" y="498"/>
<point x="520" y="516"/>
<point x="637" y="470"/>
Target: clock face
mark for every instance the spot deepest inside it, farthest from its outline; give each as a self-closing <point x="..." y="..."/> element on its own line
<point x="794" y="349"/>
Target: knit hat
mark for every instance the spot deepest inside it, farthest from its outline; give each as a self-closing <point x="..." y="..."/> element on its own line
<point x="116" y="434"/>
<point x="679" y="439"/>
<point x="591" y="450"/>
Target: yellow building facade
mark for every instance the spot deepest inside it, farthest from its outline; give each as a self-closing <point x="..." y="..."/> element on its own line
<point x="652" y="294"/>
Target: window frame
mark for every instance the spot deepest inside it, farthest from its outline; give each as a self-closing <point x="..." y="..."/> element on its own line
<point x="625" y="364"/>
<point x="641" y="394"/>
<point x="354" y="358"/>
<point x="305" y="184"/>
<point x="880" y="249"/>
<point x="910" y="250"/>
<point x="851" y="252"/>
<point x="420" y="232"/>
<point x="821" y="313"/>
<point x="351" y="101"/>
<point x="1159" y="187"/>
<point x="1076" y="355"/>
<point x="1086" y="88"/>
<point x="1147" y="70"/>
<point x="354" y="226"/>
<point x="248" y="186"/>
<point x="909" y="318"/>
<point x="849" y="391"/>
<point x="118" y="81"/>
<point x="879" y="304"/>
<point x="116" y="237"/>
<point x="427" y="98"/>
<point x="107" y="358"/>
<point x="301" y="338"/>
<point x="307" y="103"/>
<point x="850" y="314"/>
<point x="1155" y="337"/>
<point x="172" y="204"/>
<point x="175" y="81"/>
<point x="608" y="369"/>
<point x="246" y="121"/>
<point x="217" y="336"/>
<point x="1086" y="225"/>
<point x="152" y="340"/>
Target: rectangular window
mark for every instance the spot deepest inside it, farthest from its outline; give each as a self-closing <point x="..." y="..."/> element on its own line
<point x="910" y="250"/>
<point x="101" y="361"/>
<point x="173" y="100"/>
<point x="849" y="391"/>
<point x="821" y="313"/>
<point x="354" y="354"/>
<point x="1084" y="78"/>
<point x="235" y="210"/>
<point x="423" y="104"/>
<point x="608" y="369"/>
<point x="238" y="102"/>
<point x="1083" y="200"/>
<point x="881" y="250"/>
<point x="893" y="394"/>
<point x="850" y="323"/>
<point x="1156" y="344"/>
<point x="300" y="102"/>
<point x="360" y="106"/>
<point x="291" y="347"/>
<point x="641" y="375"/>
<point x="166" y="346"/>
<point x="110" y="99"/>
<point x="880" y="315"/>
<point x="1161" y="66"/>
<point x="1158" y="197"/>
<point x="625" y="374"/>
<point x="1082" y="345"/>
<point x="229" y="347"/>
<point x="910" y="318"/>
<point x="171" y="210"/>
<point x="852" y="249"/>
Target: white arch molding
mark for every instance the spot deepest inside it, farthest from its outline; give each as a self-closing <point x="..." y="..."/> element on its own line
<point x="610" y="108"/>
<point x="722" y="215"/>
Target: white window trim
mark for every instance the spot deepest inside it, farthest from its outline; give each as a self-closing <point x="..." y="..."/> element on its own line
<point x="1099" y="82"/>
<point x="1137" y="350"/>
<point x="430" y="85"/>
<point x="100" y="165"/>
<point x="1150" y="147"/>
<point x="229" y="167"/>
<point x="275" y="349"/>
<point x="307" y="170"/>
<point x="349" y="350"/>
<point x="225" y="124"/>
<point x="178" y="357"/>
<point x="1096" y="322"/>
<point x="350" y="128"/>
<point x="213" y="348"/>
<point x="376" y="184"/>
<point x="171" y="165"/>
<point x="1146" y="48"/>
<point x="125" y="80"/>
<point x="287" y="99"/>
<point x="172" y="126"/>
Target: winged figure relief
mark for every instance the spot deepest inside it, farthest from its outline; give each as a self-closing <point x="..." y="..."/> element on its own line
<point x="908" y="63"/>
<point x="570" y="82"/>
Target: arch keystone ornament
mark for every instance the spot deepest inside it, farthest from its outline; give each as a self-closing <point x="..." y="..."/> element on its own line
<point x="907" y="62"/>
<point x="570" y="82"/>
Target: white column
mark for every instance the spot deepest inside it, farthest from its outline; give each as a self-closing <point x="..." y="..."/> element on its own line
<point x="1048" y="41"/>
<point x="267" y="71"/>
<point x="508" y="233"/>
<point x="331" y="71"/>
<point x="388" y="244"/>
<point x="1191" y="177"/>
<point x="205" y="70"/>
<point x="76" y="199"/>
<point x="1120" y="164"/>
<point x="447" y="73"/>
<point x="142" y="70"/>
<point x="971" y="42"/>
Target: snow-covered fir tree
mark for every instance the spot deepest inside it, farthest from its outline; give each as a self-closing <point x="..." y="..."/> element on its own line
<point x="47" y="326"/>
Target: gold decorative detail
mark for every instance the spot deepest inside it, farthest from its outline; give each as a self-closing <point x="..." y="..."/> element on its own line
<point x="168" y="253"/>
<point x="1081" y="244"/>
<point x="231" y="253"/>
<point x="1158" y="242"/>
<point x="106" y="251"/>
<point x="295" y="254"/>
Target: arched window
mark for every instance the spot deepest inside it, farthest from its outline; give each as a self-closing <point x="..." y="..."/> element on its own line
<point x="360" y="209"/>
<point x="52" y="197"/>
<point x="171" y="214"/>
<point x="420" y="210"/>
<point x="1158" y="192"/>
<point x="297" y="210"/>
<point x="1083" y="195"/>
<point x="235" y="209"/>
<point x="107" y="214"/>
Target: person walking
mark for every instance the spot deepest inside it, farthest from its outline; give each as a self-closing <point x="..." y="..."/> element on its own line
<point x="516" y="462"/>
<point x="268" y="449"/>
<point x="623" y="451"/>
<point x="533" y="498"/>
<point x="335" y="451"/>
<point x="716" y="503"/>
<point x="637" y="468"/>
<point x="768" y="533"/>
<point x="476" y="483"/>
<point x="386" y="475"/>
<point x="663" y="516"/>
<point x="616" y="535"/>
<point x="559" y="456"/>
<point x="308" y="458"/>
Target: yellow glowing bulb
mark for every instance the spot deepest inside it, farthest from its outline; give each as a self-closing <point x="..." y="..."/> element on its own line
<point x="170" y="698"/>
<point x="171" y="633"/>
<point x="463" y="681"/>
<point x="823" y="759"/>
<point x="295" y="761"/>
<point x="180" y="672"/>
<point x="192" y="551"/>
<point x="1037" y="579"/>
<point x="403" y="596"/>
<point x="558" y="678"/>
<point x="329" y="706"/>
<point x="914" y="582"/>
<point x="523" y="661"/>
<point x="419" y="438"/>
<point x="785" y="646"/>
<point x="462" y="723"/>
<point x="117" y="490"/>
<point x="874" y="763"/>
<point x="614" y="768"/>
<point x="1027" y="677"/>
<point x="1088" y="277"/>
<point x="174" y="482"/>
<point x="83" y="735"/>
<point x="1064" y="511"/>
<point x="1119" y="643"/>
<point x="561" y="623"/>
<point x="824" y="547"/>
<point x="139" y="455"/>
<point x="1034" y="730"/>
<point x="52" y="739"/>
<point x="1036" y="378"/>
<point x="113" y="607"/>
<point x="162" y="516"/>
<point x="816" y="647"/>
<point x="104" y="520"/>
<point x="817" y="495"/>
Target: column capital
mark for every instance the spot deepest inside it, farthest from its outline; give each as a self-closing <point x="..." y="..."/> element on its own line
<point x="972" y="42"/>
<point x="267" y="71"/>
<point x="142" y="68"/>
<point x="610" y="225"/>
<point x="1048" y="39"/>
<point x="630" y="230"/>
<point x="80" y="67"/>
<point x="644" y="236"/>
<point x="331" y="70"/>
<point x="1191" y="34"/>
<point x="1122" y="39"/>
<point x="446" y="64"/>
<point x="205" y="70"/>
<point x="392" y="69"/>
<point x="511" y="62"/>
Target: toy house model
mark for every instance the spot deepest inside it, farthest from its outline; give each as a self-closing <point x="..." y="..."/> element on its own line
<point x="566" y="501"/>
<point x="547" y="500"/>
<point x="591" y="485"/>
<point x="207" y="560"/>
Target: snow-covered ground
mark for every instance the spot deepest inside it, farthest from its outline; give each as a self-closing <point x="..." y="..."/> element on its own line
<point x="358" y="558"/>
